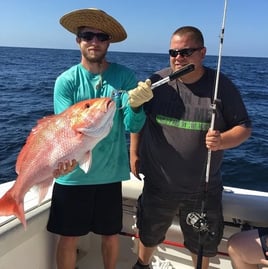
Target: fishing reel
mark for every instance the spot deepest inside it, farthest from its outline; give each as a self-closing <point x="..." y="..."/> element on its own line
<point x="198" y="222"/>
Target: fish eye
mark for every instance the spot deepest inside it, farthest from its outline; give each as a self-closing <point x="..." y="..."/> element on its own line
<point x="87" y="105"/>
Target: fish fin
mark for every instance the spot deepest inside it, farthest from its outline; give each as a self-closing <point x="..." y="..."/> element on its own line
<point x="85" y="164"/>
<point x="9" y="206"/>
<point x="20" y="159"/>
<point x="43" y="189"/>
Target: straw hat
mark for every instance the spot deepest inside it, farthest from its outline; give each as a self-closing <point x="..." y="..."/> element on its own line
<point x="94" y="18"/>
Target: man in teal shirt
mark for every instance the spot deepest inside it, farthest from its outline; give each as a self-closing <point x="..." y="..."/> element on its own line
<point x="92" y="202"/>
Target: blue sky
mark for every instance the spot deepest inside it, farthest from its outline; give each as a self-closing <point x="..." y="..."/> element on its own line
<point x="149" y="24"/>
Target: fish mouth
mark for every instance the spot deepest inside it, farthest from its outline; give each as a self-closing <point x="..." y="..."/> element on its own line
<point x="104" y="125"/>
<point x="110" y="104"/>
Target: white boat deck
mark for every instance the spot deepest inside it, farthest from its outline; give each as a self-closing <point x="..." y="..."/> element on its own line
<point x="35" y="247"/>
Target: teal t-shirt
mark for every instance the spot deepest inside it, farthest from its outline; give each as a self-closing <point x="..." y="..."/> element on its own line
<point x="110" y="162"/>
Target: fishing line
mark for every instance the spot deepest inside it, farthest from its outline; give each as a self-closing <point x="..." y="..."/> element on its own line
<point x="117" y="94"/>
<point x="198" y="220"/>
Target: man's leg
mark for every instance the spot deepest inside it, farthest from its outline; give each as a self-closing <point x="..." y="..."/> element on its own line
<point x="66" y="252"/>
<point x="110" y="250"/>
<point x="144" y="256"/>
<point x="205" y="261"/>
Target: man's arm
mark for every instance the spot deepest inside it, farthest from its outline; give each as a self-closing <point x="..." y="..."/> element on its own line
<point x="229" y="139"/>
<point x="134" y="154"/>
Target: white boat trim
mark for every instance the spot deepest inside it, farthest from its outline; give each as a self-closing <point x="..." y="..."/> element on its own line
<point x="35" y="247"/>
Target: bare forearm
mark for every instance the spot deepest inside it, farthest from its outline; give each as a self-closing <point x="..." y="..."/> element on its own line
<point x="134" y="142"/>
<point x="134" y="153"/>
<point x="234" y="137"/>
<point x="226" y="140"/>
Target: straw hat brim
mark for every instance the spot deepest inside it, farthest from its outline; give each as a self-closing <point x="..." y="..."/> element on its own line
<point x="94" y="18"/>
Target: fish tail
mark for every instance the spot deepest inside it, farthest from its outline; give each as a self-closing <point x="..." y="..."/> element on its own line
<point x="9" y="206"/>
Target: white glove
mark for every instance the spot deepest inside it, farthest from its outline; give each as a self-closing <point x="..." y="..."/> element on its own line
<point x="143" y="93"/>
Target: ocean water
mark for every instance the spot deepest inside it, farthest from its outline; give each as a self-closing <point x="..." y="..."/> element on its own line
<point x="27" y="77"/>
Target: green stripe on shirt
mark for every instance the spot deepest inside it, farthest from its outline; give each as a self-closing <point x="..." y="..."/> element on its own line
<point x="189" y="125"/>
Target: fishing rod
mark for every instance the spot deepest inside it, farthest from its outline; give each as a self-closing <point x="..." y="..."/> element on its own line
<point x="215" y="99"/>
<point x="212" y="124"/>
<point x="180" y="72"/>
<point x="199" y="221"/>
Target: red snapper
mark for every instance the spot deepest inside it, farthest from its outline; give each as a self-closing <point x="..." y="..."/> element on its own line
<point x="57" y="138"/>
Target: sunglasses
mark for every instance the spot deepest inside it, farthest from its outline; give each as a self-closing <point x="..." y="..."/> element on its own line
<point x="88" y="36"/>
<point x="183" y="52"/>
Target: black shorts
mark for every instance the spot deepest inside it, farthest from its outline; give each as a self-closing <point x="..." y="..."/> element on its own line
<point x="263" y="234"/>
<point x="155" y="215"/>
<point x="78" y="210"/>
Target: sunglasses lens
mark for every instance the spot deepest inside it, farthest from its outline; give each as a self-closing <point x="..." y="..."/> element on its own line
<point x="102" y="37"/>
<point x="173" y="53"/>
<point x="88" y="36"/>
<point x="186" y="52"/>
<point x="183" y="52"/>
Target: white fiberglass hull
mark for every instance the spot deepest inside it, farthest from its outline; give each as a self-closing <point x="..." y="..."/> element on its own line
<point x="35" y="247"/>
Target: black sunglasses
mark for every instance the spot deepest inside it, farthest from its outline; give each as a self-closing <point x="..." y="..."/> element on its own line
<point x="183" y="52"/>
<point x="88" y="36"/>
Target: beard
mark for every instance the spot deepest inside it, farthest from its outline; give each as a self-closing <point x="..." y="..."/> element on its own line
<point x="93" y="57"/>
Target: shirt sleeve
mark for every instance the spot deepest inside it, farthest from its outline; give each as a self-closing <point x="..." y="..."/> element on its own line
<point x="133" y="119"/>
<point x="233" y="107"/>
<point x="62" y="95"/>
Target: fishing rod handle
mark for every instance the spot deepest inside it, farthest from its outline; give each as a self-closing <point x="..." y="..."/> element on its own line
<point x="183" y="71"/>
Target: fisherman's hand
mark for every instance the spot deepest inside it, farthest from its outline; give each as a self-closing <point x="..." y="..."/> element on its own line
<point x="213" y="140"/>
<point x="64" y="168"/>
<point x="264" y="262"/>
<point x="143" y="93"/>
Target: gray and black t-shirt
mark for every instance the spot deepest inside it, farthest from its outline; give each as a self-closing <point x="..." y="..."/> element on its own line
<point x="172" y="148"/>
